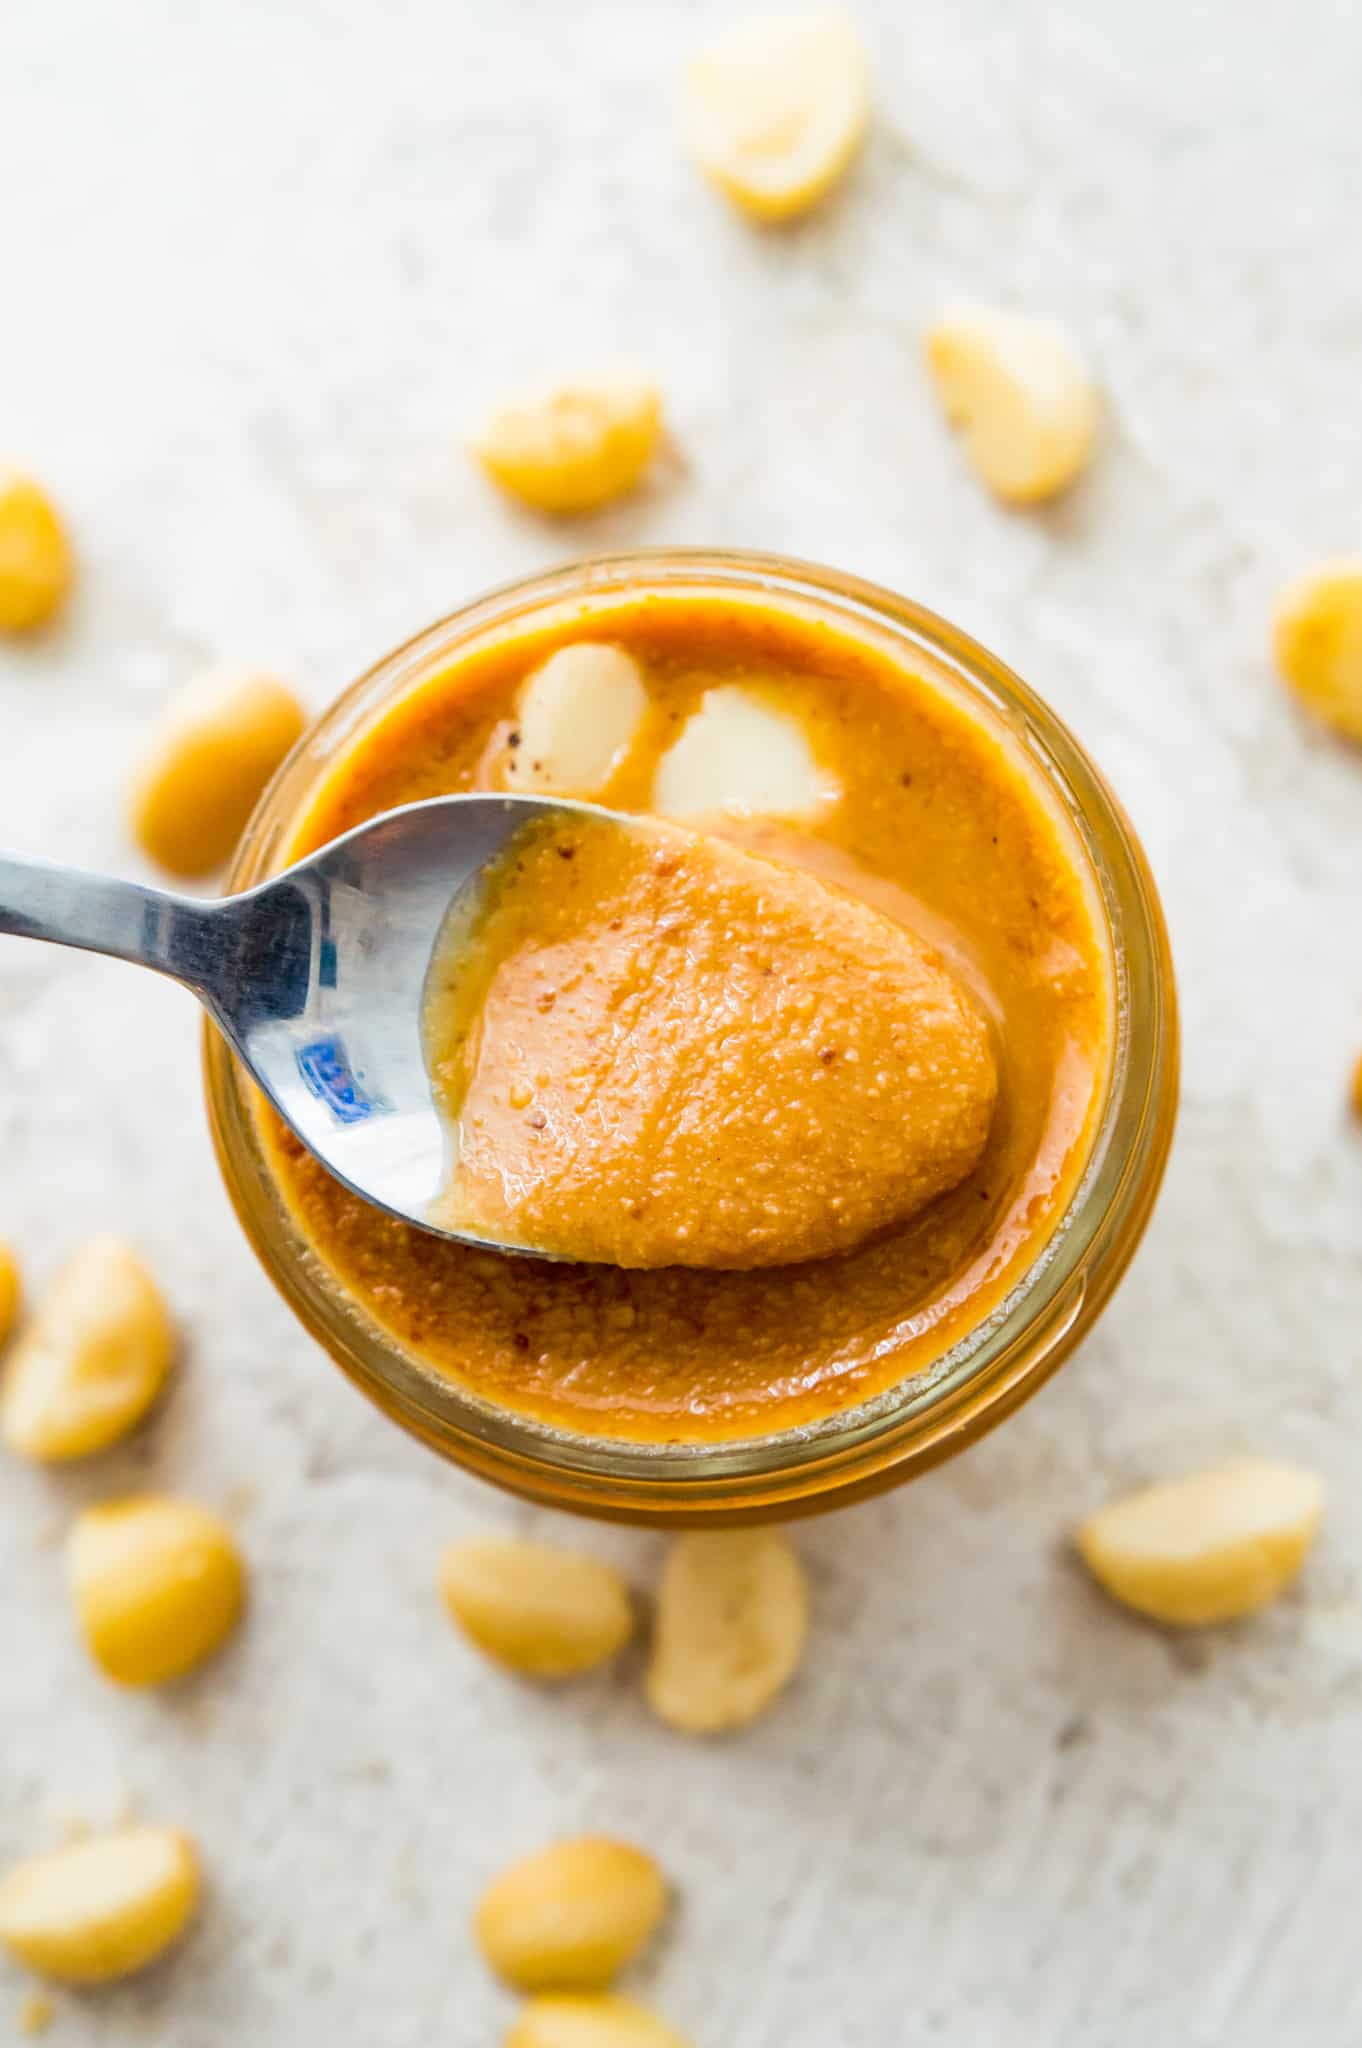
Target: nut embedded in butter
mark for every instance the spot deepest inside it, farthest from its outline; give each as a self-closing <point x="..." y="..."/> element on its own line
<point x="776" y="107"/>
<point x="91" y="1359"/>
<point x="602" y="2022"/>
<point x="732" y="1618"/>
<point x="543" y="1612"/>
<point x="571" y="1916"/>
<point x="1021" y="396"/>
<point x="1208" y="1548"/>
<point x="219" y="743"/>
<point x="102" y="1907"/>
<point x="1317" y="638"/>
<point x="577" y="717"/>
<point x="573" y="444"/>
<point x="157" y="1585"/>
<point x="35" y="555"/>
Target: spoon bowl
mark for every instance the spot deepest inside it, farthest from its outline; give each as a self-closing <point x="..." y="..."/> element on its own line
<point x="316" y="977"/>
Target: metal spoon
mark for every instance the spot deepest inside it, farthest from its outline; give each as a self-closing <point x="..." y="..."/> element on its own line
<point x="316" y="978"/>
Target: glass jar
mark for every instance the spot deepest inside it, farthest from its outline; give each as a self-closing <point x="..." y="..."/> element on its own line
<point x="989" y="1371"/>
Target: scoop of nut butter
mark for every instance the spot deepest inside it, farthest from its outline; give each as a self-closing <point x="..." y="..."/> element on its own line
<point x="655" y="1048"/>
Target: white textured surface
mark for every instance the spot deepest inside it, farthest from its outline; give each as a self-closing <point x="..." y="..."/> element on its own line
<point x="257" y="262"/>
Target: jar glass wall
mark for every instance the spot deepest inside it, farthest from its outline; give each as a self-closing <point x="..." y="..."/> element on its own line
<point x="984" y="1374"/>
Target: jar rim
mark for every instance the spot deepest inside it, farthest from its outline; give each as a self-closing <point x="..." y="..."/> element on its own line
<point x="992" y="1367"/>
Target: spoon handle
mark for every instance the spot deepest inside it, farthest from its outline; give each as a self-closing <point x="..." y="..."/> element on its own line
<point x="176" y="935"/>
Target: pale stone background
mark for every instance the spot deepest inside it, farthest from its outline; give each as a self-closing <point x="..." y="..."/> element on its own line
<point x="256" y="265"/>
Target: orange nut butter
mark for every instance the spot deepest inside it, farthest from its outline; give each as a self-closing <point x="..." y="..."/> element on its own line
<point x="929" y="823"/>
<point x="657" y="1049"/>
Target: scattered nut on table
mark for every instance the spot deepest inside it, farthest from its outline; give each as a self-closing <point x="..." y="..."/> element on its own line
<point x="607" y="2022"/>
<point x="1207" y="1548"/>
<point x="36" y="567"/>
<point x="546" y="1613"/>
<point x="775" y="109"/>
<point x="92" y="1358"/>
<point x="157" y="1585"/>
<point x="572" y="444"/>
<point x="1021" y="396"/>
<point x="102" y="1907"/>
<point x="36" y="2014"/>
<point x="732" y="1617"/>
<point x="10" y="1292"/>
<point x="570" y="1916"/>
<point x="1317" y="638"/>
<point x="205" y="770"/>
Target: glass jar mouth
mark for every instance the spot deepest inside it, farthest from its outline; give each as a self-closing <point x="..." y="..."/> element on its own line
<point x="990" y="1369"/>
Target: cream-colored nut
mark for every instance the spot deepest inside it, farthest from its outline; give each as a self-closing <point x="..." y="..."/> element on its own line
<point x="100" y="1908"/>
<point x="1206" y="1548"/>
<point x="740" y="753"/>
<point x="35" y="555"/>
<point x="1317" y="637"/>
<point x="219" y="744"/>
<point x="92" y="1359"/>
<point x="10" y="1292"/>
<point x="577" y="717"/>
<point x="573" y="444"/>
<point x="608" y="2022"/>
<point x="776" y="107"/>
<point x="570" y="1916"/>
<point x="1022" y="398"/>
<point x="544" y="1612"/>
<point x="732" y="1617"/>
<point x="157" y="1584"/>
